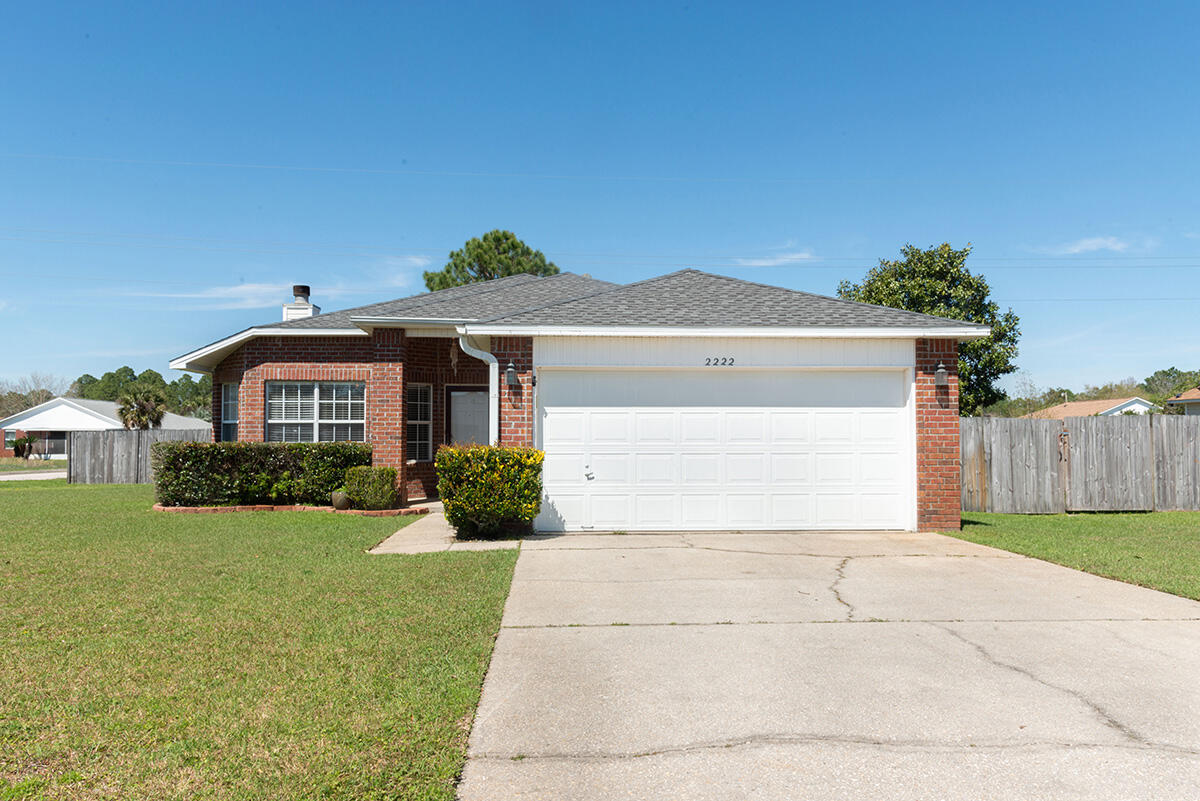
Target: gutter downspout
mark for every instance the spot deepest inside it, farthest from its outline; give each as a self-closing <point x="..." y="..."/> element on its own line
<point x="464" y="342"/>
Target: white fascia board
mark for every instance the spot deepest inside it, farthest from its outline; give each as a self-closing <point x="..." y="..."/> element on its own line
<point x="198" y="360"/>
<point x="961" y="333"/>
<point x="367" y="323"/>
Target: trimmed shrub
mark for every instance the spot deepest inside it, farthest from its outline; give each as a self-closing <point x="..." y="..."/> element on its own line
<point x="227" y="473"/>
<point x="488" y="490"/>
<point x="371" y="487"/>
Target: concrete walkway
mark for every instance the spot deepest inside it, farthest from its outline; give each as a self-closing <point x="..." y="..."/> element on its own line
<point x="831" y="666"/>
<point x="432" y="533"/>
<point x="37" y="475"/>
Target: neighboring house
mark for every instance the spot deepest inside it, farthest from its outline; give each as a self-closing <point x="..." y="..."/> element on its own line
<point x="688" y="401"/>
<point x="1189" y="401"/>
<point x="53" y="420"/>
<point x="1094" y="408"/>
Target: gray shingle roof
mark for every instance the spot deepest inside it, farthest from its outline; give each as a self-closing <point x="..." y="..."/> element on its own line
<point x="694" y="298"/>
<point x="170" y="419"/>
<point x="470" y="302"/>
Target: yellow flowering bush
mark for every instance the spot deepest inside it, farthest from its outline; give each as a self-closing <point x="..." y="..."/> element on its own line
<point x="488" y="490"/>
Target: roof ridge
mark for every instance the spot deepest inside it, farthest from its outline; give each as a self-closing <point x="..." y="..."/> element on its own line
<point x="609" y="287"/>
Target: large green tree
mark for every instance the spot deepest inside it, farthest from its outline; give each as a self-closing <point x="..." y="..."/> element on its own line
<point x="936" y="281"/>
<point x="493" y="255"/>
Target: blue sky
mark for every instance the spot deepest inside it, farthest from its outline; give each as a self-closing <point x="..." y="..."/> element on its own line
<point x="167" y="171"/>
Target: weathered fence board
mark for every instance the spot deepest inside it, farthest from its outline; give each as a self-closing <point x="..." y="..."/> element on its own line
<point x="1124" y="463"/>
<point x="1011" y="465"/>
<point x="1177" y="462"/>
<point x="119" y="457"/>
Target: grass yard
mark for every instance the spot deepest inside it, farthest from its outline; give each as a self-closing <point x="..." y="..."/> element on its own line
<point x="1160" y="550"/>
<point x="244" y="656"/>
<point x="8" y="464"/>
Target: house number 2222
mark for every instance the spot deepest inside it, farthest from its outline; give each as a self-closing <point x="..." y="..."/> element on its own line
<point x="718" y="361"/>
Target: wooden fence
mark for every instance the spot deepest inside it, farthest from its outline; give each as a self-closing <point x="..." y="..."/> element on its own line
<point x="1082" y="464"/>
<point x="119" y="457"/>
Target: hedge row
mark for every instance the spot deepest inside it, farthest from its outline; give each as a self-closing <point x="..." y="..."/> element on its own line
<point x="487" y="490"/>
<point x="227" y="473"/>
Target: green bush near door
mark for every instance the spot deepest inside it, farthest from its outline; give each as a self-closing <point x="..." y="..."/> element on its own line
<point x="488" y="491"/>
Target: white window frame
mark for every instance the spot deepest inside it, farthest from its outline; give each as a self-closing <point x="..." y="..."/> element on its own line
<point x="227" y="406"/>
<point x="315" y="421"/>
<point x="413" y="444"/>
<point x="10" y="438"/>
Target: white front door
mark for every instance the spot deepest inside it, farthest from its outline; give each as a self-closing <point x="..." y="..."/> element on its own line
<point x="468" y="417"/>
<point x="726" y="449"/>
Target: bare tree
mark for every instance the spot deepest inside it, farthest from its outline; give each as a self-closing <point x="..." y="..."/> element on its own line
<point x="27" y="391"/>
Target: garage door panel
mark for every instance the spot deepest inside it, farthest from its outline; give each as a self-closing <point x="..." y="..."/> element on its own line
<point x="791" y="468"/>
<point x="654" y="511"/>
<point x="563" y="427"/>
<point x="745" y="427"/>
<point x="746" y="511"/>
<point x="700" y="468"/>
<point x="789" y="428"/>
<point x="746" y="468"/>
<point x="835" y="468"/>
<point x="656" y="468"/>
<point x="611" y="510"/>
<point x="611" y="468"/>
<point x="726" y="450"/>
<point x="833" y="427"/>
<point x="654" y="428"/>
<point x="563" y="468"/>
<point x="790" y="510"/>
<point x="699" y="427"/>
<point x="609" y="428"/>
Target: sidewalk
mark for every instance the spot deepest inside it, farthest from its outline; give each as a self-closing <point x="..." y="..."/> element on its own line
<point x="39" y="475"/>
<point x="432" y="533"/>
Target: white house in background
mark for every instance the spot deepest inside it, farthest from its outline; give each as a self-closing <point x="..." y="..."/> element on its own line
<point x="1094" y="408"/>
<point x="53" y="420"/>
<point x="1189" y="401"/>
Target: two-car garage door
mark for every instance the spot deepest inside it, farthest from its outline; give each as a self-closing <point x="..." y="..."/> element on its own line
<point x="721" y="448"/>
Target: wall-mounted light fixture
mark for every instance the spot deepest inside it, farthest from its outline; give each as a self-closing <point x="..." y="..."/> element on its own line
<point x="941" y="376"/>
<point x="510" y="375"/>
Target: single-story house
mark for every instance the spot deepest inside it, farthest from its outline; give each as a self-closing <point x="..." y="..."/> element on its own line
<point x="1094" y="408"/>
<point x="687" y="401"/>
<point x="1189" y="401"/>
<point x="53" y="420"/>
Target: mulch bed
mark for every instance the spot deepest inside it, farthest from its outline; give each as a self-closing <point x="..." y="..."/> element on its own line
<point x="213" y="510"/>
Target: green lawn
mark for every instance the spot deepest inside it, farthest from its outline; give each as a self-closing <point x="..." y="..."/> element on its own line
<point x="254" y="655"/>
<point x="1154" y="549"/>
<point x="10" y="465"/>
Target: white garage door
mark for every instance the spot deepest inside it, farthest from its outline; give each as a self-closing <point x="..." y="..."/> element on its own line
<point x="725" y="449"/>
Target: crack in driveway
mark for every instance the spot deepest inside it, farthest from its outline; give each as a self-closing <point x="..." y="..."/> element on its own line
<point x="808" y="738"/>
<point x="1099" y="711"/>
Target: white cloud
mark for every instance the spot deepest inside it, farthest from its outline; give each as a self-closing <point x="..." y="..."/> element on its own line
<point x="779" y="259"/>
<point x="1092" y="244"/>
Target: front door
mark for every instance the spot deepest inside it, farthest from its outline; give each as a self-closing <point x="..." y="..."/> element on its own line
<point x="468" y="417"/>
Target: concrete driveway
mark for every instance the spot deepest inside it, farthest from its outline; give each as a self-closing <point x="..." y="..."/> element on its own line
<point x="831" y="666"/>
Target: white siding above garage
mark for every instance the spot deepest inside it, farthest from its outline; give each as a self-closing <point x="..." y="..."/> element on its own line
<point x="603" y="351"/>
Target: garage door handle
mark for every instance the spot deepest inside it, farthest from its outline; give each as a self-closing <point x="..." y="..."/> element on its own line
<point x="589" y="476"/>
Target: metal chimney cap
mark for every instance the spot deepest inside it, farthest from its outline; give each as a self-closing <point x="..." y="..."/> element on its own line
<point x="301" y="290"/>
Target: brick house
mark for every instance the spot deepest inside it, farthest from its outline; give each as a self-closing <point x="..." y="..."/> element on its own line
<point x="688" y="401"/>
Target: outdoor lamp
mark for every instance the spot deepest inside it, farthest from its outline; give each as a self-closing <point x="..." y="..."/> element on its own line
<point x="510" y="375"/>
<point x="941" y="378"/>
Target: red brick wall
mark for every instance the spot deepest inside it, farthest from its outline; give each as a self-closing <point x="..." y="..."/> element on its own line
<point x="516" y="403"/>
<point x="385" y="362"/>
<point x="939" y="476"/>
<point x="9" y="452"/>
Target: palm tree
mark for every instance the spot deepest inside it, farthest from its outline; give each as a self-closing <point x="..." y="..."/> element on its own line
<point x="141" y="408"/>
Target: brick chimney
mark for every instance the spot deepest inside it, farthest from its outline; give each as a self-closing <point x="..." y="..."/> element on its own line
<point x="300" y="307"/>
